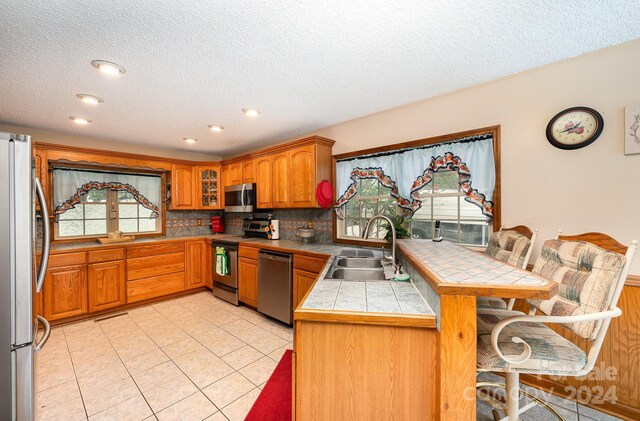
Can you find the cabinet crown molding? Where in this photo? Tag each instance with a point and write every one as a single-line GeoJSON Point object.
{"type": "Point", "coordinates": [311, 140]}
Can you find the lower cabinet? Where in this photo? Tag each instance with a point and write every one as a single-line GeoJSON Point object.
{"type": "Point", "coordinates": [305, 271]}
{"type": "Point", "coordinates": [145, 289]}
{"type": "Point", "coordinates": [248, 281]}
{"type": "Point", "coordinates": [106, 283]}
{"type": "Point", "coordinates": [196, 265]}
{"type": "Point", "coordinates": [65, 292]}
{"type": "Point", "coordinates": [302, 281]}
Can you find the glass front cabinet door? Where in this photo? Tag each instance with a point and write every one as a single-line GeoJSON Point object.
{"type": "Point", "coordinates": [208, 192]}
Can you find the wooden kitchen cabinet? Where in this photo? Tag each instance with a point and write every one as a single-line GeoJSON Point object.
{"type": "Point", "coordinates": [281, 180]}
{"type": "Point", "coordinates": [183, 187]}
{"type": "Point", "coordinates": [263, 182]}
{"type": "Point", "coordinates": [208, 189]}
{"type": "Point", "coordinates": [303, 177]}
{"type": "Point", "coordinates": [106, 285]}
{"type": "Point", "coordinates": [248, 281]}
{"type": "Point", "coordinates": [286, 175]}
{"type": "Point", "coordinates": [302, 281]}
{"type": "Point", "coordinates": [196, 264]}
{"type": "Point", "coordinates": [248, 171]}
{"type": "Point", "coordinates": [234, 174]}
{"type": "Point", "coordinates": [40, 161]}
{"type": "Point", "coordinates": [305, 271]}
{"type": "Point", "coordinates": [65, 292]}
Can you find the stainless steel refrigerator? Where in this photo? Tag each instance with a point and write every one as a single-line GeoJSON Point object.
{"type": "Point", "coordinates": [19, 278]}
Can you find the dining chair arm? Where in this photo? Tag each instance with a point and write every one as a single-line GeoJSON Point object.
{"type": "Point", "coordinates": [526, 354]}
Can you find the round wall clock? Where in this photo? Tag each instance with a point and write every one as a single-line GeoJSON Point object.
{"type": "Point", "coordinates": [575, 128]}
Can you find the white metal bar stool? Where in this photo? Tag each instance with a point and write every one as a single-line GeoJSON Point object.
{"type": "Point", "coordinates": [591, 270]}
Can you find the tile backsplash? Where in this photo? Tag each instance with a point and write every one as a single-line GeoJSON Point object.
{"type": "Point", "coordinates": [290, 220]}
{"type": "Point", "coordinates": [179, 223]}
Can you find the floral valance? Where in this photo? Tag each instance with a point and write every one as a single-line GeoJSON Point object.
{"type": "Point", "coordinates": [69, 185]}
{"type": "Point", "coordinates": [407, 171]}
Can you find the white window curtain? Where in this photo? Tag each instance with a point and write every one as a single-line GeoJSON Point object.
{"type": "Point", "coordinates": [408, 170]}
{"type": "Point", "coordinates": [70, 184]}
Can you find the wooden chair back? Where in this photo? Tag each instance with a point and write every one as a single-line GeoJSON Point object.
{"type": "Point", "coordinates": [520, 229]}
{"type": "Point", "coordinates": [598, 239]}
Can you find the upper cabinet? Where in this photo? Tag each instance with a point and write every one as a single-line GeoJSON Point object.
{"type": "Point", "coordinates": [195, 187]}
{"type": "Point", "coordinates": [208, 192]}
{"type": "Point", "coordinates": [280, 163]}
{"type": "Point", "coordinates": [286, 175]}
{"type": "Point", "coordinates": [248, 171]}
{"type": "Point", "coordinates": [183, 187]}
{"type": "Point", "coordinates": [303, 177]}
{"type": "Point", "coordinates": [264, 198]}
{"type": "Point", "coordinates": [234, 174]}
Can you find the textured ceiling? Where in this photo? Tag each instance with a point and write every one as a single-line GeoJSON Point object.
{"type": "Point", "coordinates": [304, 64]}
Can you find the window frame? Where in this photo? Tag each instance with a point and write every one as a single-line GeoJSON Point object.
{"type": "Point", "coordinates": [494, 131]}
{"type": "Point", "coordinates": [459, 219]}
{"type": "Point", "coordinates": [162, 208]}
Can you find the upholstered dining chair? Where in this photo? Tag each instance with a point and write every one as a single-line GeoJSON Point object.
{"type": "Point", "coordinates": [591, 270]}
{"type": "Point", "coordinates": [512, 246]}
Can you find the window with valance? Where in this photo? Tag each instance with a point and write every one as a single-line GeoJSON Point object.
{"type": "Point", "coordinates": [451, 181]}
{"type": "Point", "coordinates": [92, 203]}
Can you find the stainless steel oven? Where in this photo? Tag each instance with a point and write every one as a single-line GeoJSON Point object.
{"type": "Point", "coordinates": [226, 286]}
{"type": "Point", "coordinates": [240, 198]}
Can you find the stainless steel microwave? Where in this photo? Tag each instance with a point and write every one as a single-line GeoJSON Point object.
{"type": "Point", "coordinates": [240, 198]}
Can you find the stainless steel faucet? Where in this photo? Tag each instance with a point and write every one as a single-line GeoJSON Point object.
{"type": "Point", "coordinates": [365, 235]}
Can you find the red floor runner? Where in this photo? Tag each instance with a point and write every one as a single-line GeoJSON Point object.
{"type": "Point", "coordinates": [274, 402]}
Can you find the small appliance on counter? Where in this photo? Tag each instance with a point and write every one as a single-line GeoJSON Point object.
{"type": "Point", "coordinates": [307, 234]}
{"type": "Point", "coordinates": [258, 228]}
{"type": "Point", "coordinates": [217, 224]}
{"type": "Point", "coordinates": [274, 229]}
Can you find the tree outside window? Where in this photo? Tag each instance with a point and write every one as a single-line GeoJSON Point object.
{"type": "Point", "coordinates": [442, 199]}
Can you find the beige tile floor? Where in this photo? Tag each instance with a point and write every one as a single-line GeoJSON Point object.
{"type": "Point", "coordinates": [190, 358]}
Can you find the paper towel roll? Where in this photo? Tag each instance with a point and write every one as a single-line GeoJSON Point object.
{"type": "Point", "coordinates": [275, 232]}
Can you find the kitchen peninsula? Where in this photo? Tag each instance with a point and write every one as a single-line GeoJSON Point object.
{"type": "Point", "coordinates": [412, 366]}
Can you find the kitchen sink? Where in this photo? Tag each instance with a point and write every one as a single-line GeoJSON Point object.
{"type": "Point", "coordinates": [359, 262]}
{"type": "Point", "coordinates": [358, 274]}
{"type": "Point", "coordinates": [356, 253]}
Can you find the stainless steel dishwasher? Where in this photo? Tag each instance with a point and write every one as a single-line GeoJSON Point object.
{"type": "Point", "coordinates": [275, 285]}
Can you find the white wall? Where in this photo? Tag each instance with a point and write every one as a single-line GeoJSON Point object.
{"type": "Point", "coordinates": [106, 144]}
{"type": "Point", "coordinates": [591, 189]}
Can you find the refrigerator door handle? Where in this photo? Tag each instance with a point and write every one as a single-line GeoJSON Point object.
{"type": "Point", "coordinates": [47, 333]}
{"type": "Point", "coordinates": [46, 237]}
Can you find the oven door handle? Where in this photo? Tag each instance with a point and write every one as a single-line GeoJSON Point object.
{"type": "Point", "coordinates": [242, 197]}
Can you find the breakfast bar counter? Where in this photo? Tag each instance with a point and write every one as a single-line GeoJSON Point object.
{"type": "Point", "coordinates": [413, 370]}
{"type": "Point", "coordinates": [451, 269]}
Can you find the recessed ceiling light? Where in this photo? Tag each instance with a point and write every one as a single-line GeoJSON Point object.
{"type": "Point", "coordinates": [251, 112]}
{"type": "Point", "coordinates": [90, 99]}
{"type": "Point", "coordinates": [216, 128]}
{"type": "Point", "coordinates": [109, 68]}
{"type": "Point", "coordinates": [80, 120]}
{"type": "Point", "coordinates": [190, 139]}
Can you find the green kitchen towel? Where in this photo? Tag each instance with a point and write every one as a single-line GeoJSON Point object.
{"type": "Point", "coordinates": [222, 261]}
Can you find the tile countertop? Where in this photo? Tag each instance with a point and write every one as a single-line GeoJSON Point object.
{"type": "Point", "coordinates": [452, 269]}
{"type": "Point", "coordinates": [386, 298]}
{"type": "Point", "coordinates": [399, 298]}
{"type": "Point", "coordinates": [295, 246]}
